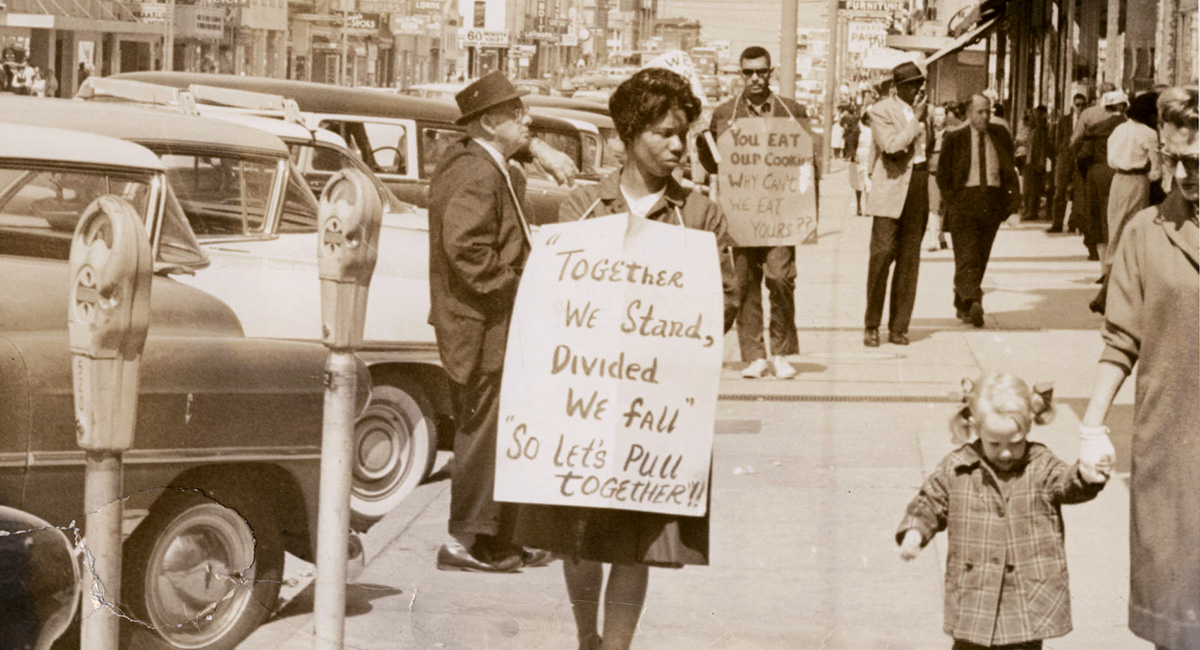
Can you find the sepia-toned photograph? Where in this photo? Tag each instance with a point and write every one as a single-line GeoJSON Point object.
{"type": "Point", "coordinates": [560, 324]}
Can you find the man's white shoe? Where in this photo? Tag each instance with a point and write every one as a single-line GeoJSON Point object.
{"type": "Point", "coordinates": [756, 369]}
{"type": "Point", "coordinates": [781, 368]}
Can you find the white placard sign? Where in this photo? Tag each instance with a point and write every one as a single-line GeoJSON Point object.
{"type": "Point", "coordinates": [767, 181]}
{"type": "Point", "coordinates": [613, 363]}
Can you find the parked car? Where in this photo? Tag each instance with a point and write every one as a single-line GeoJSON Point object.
{"type": "Point", "coordinates": [400, 138]}
{"type": "Point", "coordinates": [256, 217]}
{"type": "Point", "coordinates": [223, 475]}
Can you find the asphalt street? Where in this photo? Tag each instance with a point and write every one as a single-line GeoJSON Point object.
{"type": "Point", "coordinates": [811, 476]}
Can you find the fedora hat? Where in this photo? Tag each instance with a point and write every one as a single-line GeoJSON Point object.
{"type": "Point", "coordinates": [907, 72]}
{"type": "Point", "coordinates": [486, 92]}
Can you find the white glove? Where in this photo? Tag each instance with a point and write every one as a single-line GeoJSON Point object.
{"type": "Point", "coordinates": [1096, 452]}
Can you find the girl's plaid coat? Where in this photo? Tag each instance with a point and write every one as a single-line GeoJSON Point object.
{"type": "Point", "coordinates": [1006, 568]}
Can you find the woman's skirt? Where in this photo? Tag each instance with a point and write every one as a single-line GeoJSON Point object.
{"type": "Point", "coordinates": [1128, 195]}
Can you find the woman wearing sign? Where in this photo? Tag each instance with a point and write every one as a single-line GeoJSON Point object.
{"type": "Point", "coordinates": [651, 111]}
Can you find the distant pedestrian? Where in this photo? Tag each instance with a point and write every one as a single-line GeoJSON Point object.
{"type": "Point", "coordinates": [864, 157]}
{"type": "Point", "coordinates": [1036, 155]}
{"type": "Point", "coordinates": [1093, 148]}
{"type": "Point", "coordinates": [51, 83]}
{"type": "Point", "coordinates": [977, 176]}
{"type": "Point", "coordinates": [652, 111]}
{"type": "Point", "coordinates": [852, 131]}
{"type": "Point", "coordinates": [85, 71]}
{"type": "Point", "coordinates": [772, 266]}
{"type": "Point", "coordinates": [999, 499]}
{"type": "Point", "coordinates": [1133, 157]}
{"type": "Point", "coordinates": [1150, 324]}
{"type": "Point", "coordinates": [898, 203]}
{"type": "Point", "coordinates": [1068, 182]}
{"type": "Point", "coordinates": [1081, 151]}
{"type": "Point", "coordinates": [935, 235]}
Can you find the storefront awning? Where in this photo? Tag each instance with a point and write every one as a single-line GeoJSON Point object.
{"type": "Point", "coordinates": [975, 33]}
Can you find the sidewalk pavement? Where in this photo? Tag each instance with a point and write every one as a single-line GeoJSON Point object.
{"type": "Point", "coordinates": [811, 476]}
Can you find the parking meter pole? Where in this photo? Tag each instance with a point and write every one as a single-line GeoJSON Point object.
{"type": "Point", "coordinates": [337, 464]}
{"type": "Point", "coordinates": [102, 565]}
{"type": "Point", "coordinates": [107, 318]}
{"type": "Point", "coordinates": [347, 247]}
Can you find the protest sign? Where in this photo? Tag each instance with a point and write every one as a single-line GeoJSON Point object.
{"type": "Point", "coordinates": [767, 188]}
{"type": "Point", "coordinates": [611, 373]}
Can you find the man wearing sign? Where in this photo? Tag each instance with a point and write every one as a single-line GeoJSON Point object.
{"type": "Point", "coordinates": [899, 203]}
{"type": "Point", "coordinates": [774, 265]}
{"type": "Point", "coordinates": [478, 242]}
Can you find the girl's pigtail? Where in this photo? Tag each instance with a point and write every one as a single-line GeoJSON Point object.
{"type": "Point", "coordinates": [960, 422]}
{"type": "Point", "coordinates": [1042, 402]}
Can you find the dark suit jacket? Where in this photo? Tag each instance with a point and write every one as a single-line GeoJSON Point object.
{"type": "Point", "coordinates": [955, 164]}
{"type": "Point", "coordinates": [477, 250]}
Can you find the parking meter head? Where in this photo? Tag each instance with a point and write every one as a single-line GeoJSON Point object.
{"type": "Point", "coordinates": [39, 581]}
{"type": "Point", "coordinates": [107, 318]}
{"type": "Point", "coordinates": [349, 217]}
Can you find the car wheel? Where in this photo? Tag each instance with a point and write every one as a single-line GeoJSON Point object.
{"type": "Point", "coordinates": [394, 450]}
{"type": "Point", "coordinates": [199, 575]}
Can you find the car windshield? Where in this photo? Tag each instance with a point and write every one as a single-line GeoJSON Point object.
{"type": "Point", "coordinates": [39, 207]}
{"type": "Point", "coordinates": [223, 194]}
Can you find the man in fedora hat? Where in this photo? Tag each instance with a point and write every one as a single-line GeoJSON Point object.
{"type": "Point", "coordinates": [479, 239]}
{"type": "Point", "coordinates": [899, 203]}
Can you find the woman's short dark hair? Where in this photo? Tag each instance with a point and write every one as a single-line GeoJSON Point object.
{"type": "Point", "coordinates": [1177, 107]}
{"type": "Point", "coordinates": [1144, 109]}
{"type": "Point", "coordinates": [643, 99]}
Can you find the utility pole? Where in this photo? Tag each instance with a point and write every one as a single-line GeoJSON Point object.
{"type": "Point", "coordinates": [787, 49]}
{"type": "Point", "coordinates": [345, 67]}
{"type": "Point", "coordinates": [169, 40]}
{"type": "Point", "coordinates": [831, 82]}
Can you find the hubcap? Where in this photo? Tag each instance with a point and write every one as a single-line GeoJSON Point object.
{"type": "Point", "coordinates": [200, 576]}
{"type": "Point", "coordinates": [384, 437]}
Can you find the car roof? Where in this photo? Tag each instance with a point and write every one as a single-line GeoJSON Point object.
{"type": "Point", "coordinates": [551, 101]}
{"type": "Point", "coordinates": [145, 126]}
{"type": "Point", "coordinates": [323, 98]}
{"type": "Point", "coordinates": [61, 145]}
{"type": "Point", "coordinates": [598, 120]}
{"type": "Point", "coordinates": [282, 129]}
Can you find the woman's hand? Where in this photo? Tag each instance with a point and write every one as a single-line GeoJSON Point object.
{"type": "Point", "coordinates": [1096, 453]}
{"type": "Point", "coordinates": [911, 546]}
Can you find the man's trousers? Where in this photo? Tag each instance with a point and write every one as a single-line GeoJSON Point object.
{"type": "Point", "coordinates": [899, 241]}
{"type": "Point", "coordinates": [473, 510]}
{"type": "Point", "coordinates": [978, 214]}
{"type": "Point", "coordinates": [776, 267]}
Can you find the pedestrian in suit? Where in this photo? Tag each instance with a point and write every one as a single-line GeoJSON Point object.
{"type": "Point", "coordinates": [1068, 182]}
{"type": "Point", "coordinates": [898, 203]}
{"type": "Point", "coordinates": [479, 240]}
{"type": "Point", "coordinates": [774, 266]}
{"type": "Point", "coordinates": [978, 177]}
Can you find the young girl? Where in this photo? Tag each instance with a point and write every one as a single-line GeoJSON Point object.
{"type": "Point", "coordinates": [999, 498]}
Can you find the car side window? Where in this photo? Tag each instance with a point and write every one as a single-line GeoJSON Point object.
{"type": "Point", "coordinates": [434, 142]}
{"type": "Point", "coordinates": [299, 208]}
{"type": "Point", "coordinates": [389, 147]}
{"type": "Point", "coordinates": [221, 195]}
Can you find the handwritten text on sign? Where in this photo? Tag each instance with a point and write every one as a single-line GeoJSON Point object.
{"type": "Point", "coordinates": [614, 357]}
{"type": "Point", "coordinates": [766, 181]}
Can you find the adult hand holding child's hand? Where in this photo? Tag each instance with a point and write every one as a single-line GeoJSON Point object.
{"type": "Point", "coordinates": [1096, 453]}
{"type": "Point", "coordinates": [911, 546]}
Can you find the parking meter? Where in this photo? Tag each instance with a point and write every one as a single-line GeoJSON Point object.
{"type": "Point", "coordinates": [348, 238]}
{"type": "Point", "coordinates": [108, 315]}
{"type": "Point", "coordinates": [39, 581]}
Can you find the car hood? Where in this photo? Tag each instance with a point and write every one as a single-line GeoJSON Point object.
{"type": "Point", "coordinates": [36, 293]}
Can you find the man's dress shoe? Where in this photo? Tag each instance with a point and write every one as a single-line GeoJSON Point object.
{"type": "Point", "coordinates": [897, 338]}
{"type": "Point", "coordinates": [871, 337]}
{"type": "Point", "coordinates": [460, 559]}
{"type": "Point", "coordinates": [535, 557]}
{"type": "Point", "coordinates": [975, 314]}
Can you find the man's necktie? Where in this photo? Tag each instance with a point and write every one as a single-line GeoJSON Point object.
{"type": "Point", "coordinates": [983, 181]}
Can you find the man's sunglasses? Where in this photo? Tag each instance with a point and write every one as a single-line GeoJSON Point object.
{"type": "Point", "coordinates": [1171, 161]}
{"type": "Point", "coordinates": [761, 72]}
